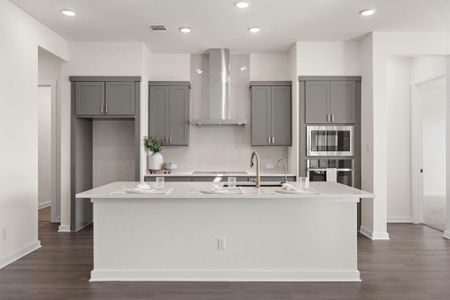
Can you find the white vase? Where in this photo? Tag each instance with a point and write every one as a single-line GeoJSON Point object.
{"type": "Point", "coordinates": [154, 160]}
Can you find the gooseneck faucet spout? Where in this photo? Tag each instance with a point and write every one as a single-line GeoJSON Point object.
{"type": "Point", "coordinates": [282, 160]}
{"type": "Point", "coordinates": [257, 178]}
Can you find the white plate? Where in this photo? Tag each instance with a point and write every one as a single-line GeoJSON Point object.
{"type": "Point", "coordinates": [149, 191]}
{"type": "Point", "coordinates": [305, 191]}
{"type": "Point", "coordinates": [223, 191]}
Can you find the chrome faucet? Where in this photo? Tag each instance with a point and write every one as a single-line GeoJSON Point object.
{"type": "Point", "coordinates": [285, 168]}
{"type": "Point", "coordinates": [257, 178]}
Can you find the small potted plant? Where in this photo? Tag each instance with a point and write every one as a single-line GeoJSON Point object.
{"type": "Point", "coordinates": [154, 157]}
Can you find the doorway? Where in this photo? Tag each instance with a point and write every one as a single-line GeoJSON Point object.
{"type": "Point", "coordinates": [429, 139]}
{"type": "Point", "coordinates": [47, 149]}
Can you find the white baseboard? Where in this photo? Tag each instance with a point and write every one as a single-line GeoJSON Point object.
{"type": "Point", "coordinates": [446, 234]}
{"type": "Point", "coordinates": [373, 235]}
{"type": "Point", "coordinates": [44, 204]}
{"type": "Point", "coordinates": [403, 219]}
{"type": "Point", "coordinates": [64, 228]}
{"type": "Point", "coordinates": [19, 254]}
{"type": "Point", "coordinates": [228, 275]}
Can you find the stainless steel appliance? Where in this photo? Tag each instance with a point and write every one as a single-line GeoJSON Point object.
{"type": "Point", "coordinates": [329, 140]}
{"type": "Point", "coordinates": [345, 173]}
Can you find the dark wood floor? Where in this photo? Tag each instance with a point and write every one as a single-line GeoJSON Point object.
{"type": "Point", "coordinates": [414, 264]}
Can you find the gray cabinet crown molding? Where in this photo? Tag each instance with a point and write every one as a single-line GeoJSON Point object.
{"type": "Point", "coordinates": [272, 83]}
{"type": "Point", "coordinates": [329, 78]}
{"type": "Point", "coordinates": [105, 78]}
{"type": "Point", "coordinates": [172, 83]}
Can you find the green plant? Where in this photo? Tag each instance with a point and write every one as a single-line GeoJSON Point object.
{"type": "Point", "coordinates": [152, 144]}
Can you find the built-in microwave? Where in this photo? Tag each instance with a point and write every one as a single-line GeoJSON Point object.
{"type": "Point", "coordinates": [329, 140]}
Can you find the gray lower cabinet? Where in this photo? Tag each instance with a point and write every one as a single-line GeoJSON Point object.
{"type": "Point", "coordinates": [330, 101]}
{"type": "Point", "coordinates": [271, 114]}
{"type": "Point", "coordinates": [96, 99]}
{"type": "Point", "coordinates": [169, 113]}
{"type": "Point", "coordinates": [90, 98]}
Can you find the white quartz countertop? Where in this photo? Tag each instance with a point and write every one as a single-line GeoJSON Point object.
{"type": "Point", "coordinates": [192, 190]}
{"type": "Point", "coordinates": [191, 174]}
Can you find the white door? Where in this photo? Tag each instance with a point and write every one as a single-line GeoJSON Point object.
{"type": "Point", "coordinates": [432, 96]}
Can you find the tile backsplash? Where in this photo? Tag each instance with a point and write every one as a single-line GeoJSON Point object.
{"type": "Point", "coordinates": [222, 147]}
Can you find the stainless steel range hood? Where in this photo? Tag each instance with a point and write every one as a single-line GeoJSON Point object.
{"type": "Point", "coordinates": [219, 91]}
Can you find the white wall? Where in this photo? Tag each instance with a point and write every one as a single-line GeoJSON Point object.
{"type": "Point", "coordinates": [294, 152]}
{"type": "Point", "coordinates": [269, 66]}
{"type": "Point", "coordinates": [385, 46]}
{"type": "Point", "coordinates": [329, 58]}
{"type": "Point", "coordinates": [433, 99]}
{"type": "Point", "coordinates": [169, 67]}
{"type": "Point", "coordinates": [399, 139]}
{"type": "Point", "coordinates": [20, 35]}
{"type": "Point", "coordinates": [44, 145]}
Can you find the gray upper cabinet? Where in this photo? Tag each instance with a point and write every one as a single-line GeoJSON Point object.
{"type": "Point", "coordinates": [330, 101]}
{"type": "Point", "coordinates": [158, 95]}
{"type": "Point", "coordinates": [281, 115]}
{"type": "Point", "coordinates": [271, 114]}
{"type": "Point", "coordinates": [90, 98]}
{"type": "Point", "coordinates": [317, 100]}
{"type": "Point", "coordinates": [169, 112]}
{"type": "Point", "coordinates": [105, 98]}
{"type": "Point", "coordinates": [343, 101]}
{"type": "Point", "coordinates": [261, 117]}
{"type": "Point", "coordinates": [120, 99]}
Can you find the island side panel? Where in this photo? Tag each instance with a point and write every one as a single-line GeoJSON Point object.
{"type": "Point", "coordinates": [265, 240]}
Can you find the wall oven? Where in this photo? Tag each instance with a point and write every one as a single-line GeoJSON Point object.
{"type": "Point", "coordinates": [329, 140]}
{"type": "Point", "coordinates": [342, 169]}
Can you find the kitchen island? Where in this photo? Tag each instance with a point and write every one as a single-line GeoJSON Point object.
{"type": "Point", "coordinates": [254, 235]}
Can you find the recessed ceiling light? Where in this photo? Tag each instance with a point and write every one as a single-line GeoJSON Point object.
{"type": "Point", "coordinates": [241, 4]}
{"type": "Point", "coordinates": [185, 29]}
{"type": "Point", "coordinates": [254, 29]}
{"type": "Point", "coordinates": [68, 12]}
{"type": "Point", "coordinates": [199, 71]}
{"type": "Point", "coordinates": [243, 68]}
{"type": "Point", "coordinates": [367, 12]}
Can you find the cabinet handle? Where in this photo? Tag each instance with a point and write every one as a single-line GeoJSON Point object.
{"type": "Point", "coordinates": [332, 118]}
{"type": "Point", "coordinates": [101, 108]}
{"type": "Point", "coordinates": [107, 108]}
{"type": "Point", "coordinates": [328, 118]}
{"type": "Point", "coordinates": [273, 140]}
{"type": "Point", "coordinates": [170, 140]}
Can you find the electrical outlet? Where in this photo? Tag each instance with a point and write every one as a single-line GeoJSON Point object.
{"type": "Point", "coordinates": [221, 243]}
{"type": "Point", "coordinates": [4, 234]}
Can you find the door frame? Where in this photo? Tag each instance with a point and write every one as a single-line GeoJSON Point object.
{"type": "Point", "coordinates": [417, 151]}
{"type": "Point", "coordinates": [53, 85]}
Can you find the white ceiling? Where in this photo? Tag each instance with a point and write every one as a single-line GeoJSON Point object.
{"type": "Point", "coordinates": [217, 23]}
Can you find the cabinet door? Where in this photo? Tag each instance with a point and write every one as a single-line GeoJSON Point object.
{"type": "Point", "coordinates": [120, 99]}
{"type": "Point", "coordinates": [281, 115]}
{"type": "Point", "coordinates": [178, 116]}
{"type": "Point", "coordinates": [343, 101]}
{"type": "Point", "coordinates": [90, 98]}
{"type": "Point", "coordinates": [158, 97]}
{"type": "Point", "coordinates": [317, 99]}
{"type": "Point", "coordinates": [261, 115]}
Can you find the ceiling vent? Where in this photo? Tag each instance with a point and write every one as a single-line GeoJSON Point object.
{"type": "Point", "coordinates": [158, 28]}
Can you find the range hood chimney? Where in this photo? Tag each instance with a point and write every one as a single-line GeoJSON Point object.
{"type": "Point", "coordinates": [219, 91]}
